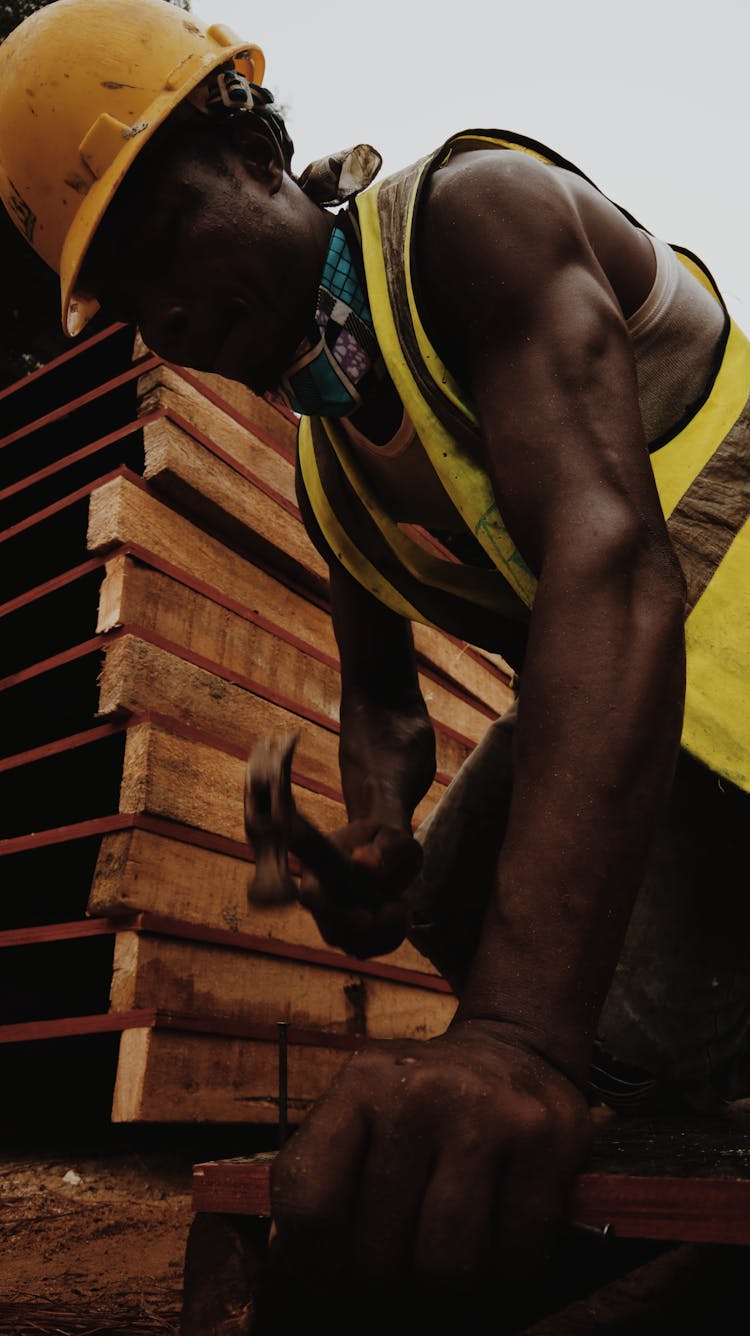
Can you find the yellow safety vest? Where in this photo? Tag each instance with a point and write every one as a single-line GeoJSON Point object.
{"type": "Point", "coordinates": [701, 473]}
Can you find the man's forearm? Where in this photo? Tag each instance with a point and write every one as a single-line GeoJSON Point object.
{"type": "Point", "coordinates": [387, 756]}
{"type": "Point", "coordinates": [598, 732]}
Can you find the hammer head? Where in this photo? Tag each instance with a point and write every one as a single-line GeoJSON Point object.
{"type": "Point", "coordinates": [269, 816]}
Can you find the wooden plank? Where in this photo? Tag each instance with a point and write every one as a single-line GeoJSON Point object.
{"type": "Point", "coordinates": [656, 1206]}
{"type": "Point", "coordinates": [169, 1076]}
{"type": "Point", "coordinates": [121, 513]}
{"type": "Point", "coordinates": [140, 676]}
{"type": "Point", "coordinates": [252, 517]}
{"type": "Point", "coordinates": [198, 784]}
{"type": "Point", "coordinates": [686, 1210]}
{"type": "Point", "coordinates": [161, 873]}
{"type": "Point", "coordinates": [484, 676]}
{"type": "Point", "coordinates": [164, 389]}
{"type": "Point", "coordinates": [159, 926]}
{"type": "Point", "coordinates": [263, 415]}
{"type": "Point", "coordinates": [489, 673]}
{"type": "Point", "coordinates": [200, 978]}
{"type": "Point", "coordinates": [136, 594]}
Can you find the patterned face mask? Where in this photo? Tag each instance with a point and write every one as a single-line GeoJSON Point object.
{"type": "Point", "coordinates": [339, 361]}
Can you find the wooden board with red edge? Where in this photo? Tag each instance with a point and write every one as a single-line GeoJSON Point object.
{"type": "Point", "coordinates": [686, 1181]}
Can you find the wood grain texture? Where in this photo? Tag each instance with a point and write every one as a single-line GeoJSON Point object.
{"type": "Point", "coordinates": [166, 388]}
{"type": "Point", "coordinates": [274, 421]}
{"type": "Point", "coordinates": [141, 871]}
{"type": "Point", "coordinates": [232, 504]}
{"type": "Point", "coordinates": [139, 676]}
{"type": "Point", "coordinates": [171, 1076]}
{"type": "Point", "coordinates": [135, 594]}
{"type": "Point", "coordinates": [120, 513]}
{"type": "Point", "coordinates": [201, 979]}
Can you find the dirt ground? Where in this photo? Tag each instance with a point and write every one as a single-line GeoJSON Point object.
{"type": "Point", "coordinates": [92, 1243]}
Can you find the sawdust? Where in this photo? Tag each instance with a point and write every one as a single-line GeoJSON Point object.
{"type": "Point", "coordinates": [100, 1252]}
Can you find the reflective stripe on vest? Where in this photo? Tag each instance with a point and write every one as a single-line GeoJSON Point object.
{"type": "Point", "coordinates": [701, 474]}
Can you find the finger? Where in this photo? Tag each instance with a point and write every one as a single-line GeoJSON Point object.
{"type": "Point", "coordinates": [314, 1183]}
{"type": "Point", "coordinates": [393, 1181]}
{"type": "Point", "coordinates": [401, 859]}
{"type": "Point", "coordinates": [453, 1243]}
{"type": "Point", "coordinates": [527, 1218]}
{"type": "Point", "coordinates": [360, 932]}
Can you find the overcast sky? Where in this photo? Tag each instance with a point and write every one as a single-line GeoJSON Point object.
{"type": "Point", "coordinates": [648, 97]}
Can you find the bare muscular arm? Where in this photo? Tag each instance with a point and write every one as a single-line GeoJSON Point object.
{"type": "Point", "coordinates": [387, 758]}
{"type": "Point", "coordinates": [450, 1160]}
{"type": "Point", "coordinates": [548, 357]}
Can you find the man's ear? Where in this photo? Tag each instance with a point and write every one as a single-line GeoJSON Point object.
{"type": "Point", "coordinates": [259, 152]}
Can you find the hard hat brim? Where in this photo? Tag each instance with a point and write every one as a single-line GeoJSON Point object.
{"type": "Point", "coordinates": [78, 307]}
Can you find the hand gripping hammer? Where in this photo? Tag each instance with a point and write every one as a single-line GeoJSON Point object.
{"type": "Point", "coordinates": [275, 828]}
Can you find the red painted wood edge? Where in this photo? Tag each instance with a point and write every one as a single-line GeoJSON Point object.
{"type": "Point", "coordinates": [228, 675]}
{"type": "Point", "coordinates": [66, 932]}
{"type": "Point", "coordinates": [686, 1210]}
{"type": "Point", "coordinates": [232, 412]}
{"type": "Point", "coordinates": [65, 410]}
{"type": "Point", "coordinates": [169, 725]}
{"type": "Point", "coordinates": [223, 1027]}
{"type": "Point", "coordinates": [260, 689]}
{"type": "Point", "coordinates": [105, 825]}
{"type": "Point", "coordinates": [304, 591]}
{"type": "Point", "coordinates": [62, 744]}
{"type": "Point", "coordinates": [690, 1210]}
{"type": "Point", "coordinates": [297, 708]}
{"type": "Point", "coordinates": [264, 436]}
{"type": "Point", "coordinates": [69, 1026]}
{"type": "Point", "coordinates": [224, 600]}
{"type": "Point", "coordinates": [162, 926]}
{"type": "Point", "coordinates": [70, 500]}
{"type": "Point", "coordinates": [65, 460]}
{"type": "Point", "coordinates": [70, 743]}
{"type": "Point", "coordinates": [69, 353]}
{"type": "Point", "coordinates": [58, 660]}
{"type": "Point", "coordinates": [50, 586]}
{"type": "Point", "coordinates": [209, 444]}
{"type": "Point", "coordinates": [272, 946]}
{"type": "Point", "coordinates": [149, 558]}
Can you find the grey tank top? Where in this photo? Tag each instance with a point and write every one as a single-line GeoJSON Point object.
{"type": "Point", "coordinates": [674, 337]}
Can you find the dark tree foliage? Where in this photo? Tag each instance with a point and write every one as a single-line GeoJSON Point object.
{"type": "Point", "coordinates": [30, 327]}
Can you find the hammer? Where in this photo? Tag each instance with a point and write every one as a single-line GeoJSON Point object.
{"type": "Point", "coordinates": [275, 828]}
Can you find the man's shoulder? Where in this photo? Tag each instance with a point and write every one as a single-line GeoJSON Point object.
{"type": "Point", "coordinates": [492, 224]}
{"type": "Point", "coordinates": [499, 192]}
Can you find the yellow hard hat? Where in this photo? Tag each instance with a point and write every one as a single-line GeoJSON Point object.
{"type": "Point", "coordinates": [83, 86]}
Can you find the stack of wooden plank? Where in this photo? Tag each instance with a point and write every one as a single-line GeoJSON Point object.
{"type": "Point", "coordinates": [162, 608]}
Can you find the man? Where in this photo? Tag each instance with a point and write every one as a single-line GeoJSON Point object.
{"type": "Point", "coordinates": [489, 348]}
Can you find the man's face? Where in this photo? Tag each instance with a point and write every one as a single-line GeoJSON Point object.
{"type": "Point", "coordinates": [216, 262]}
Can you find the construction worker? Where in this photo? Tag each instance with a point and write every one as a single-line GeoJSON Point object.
{"type": "Point", "coordinates": [485, 346]}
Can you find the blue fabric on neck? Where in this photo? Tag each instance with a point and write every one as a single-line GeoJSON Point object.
{"type": "Point", "coordinates": [337, 361]}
